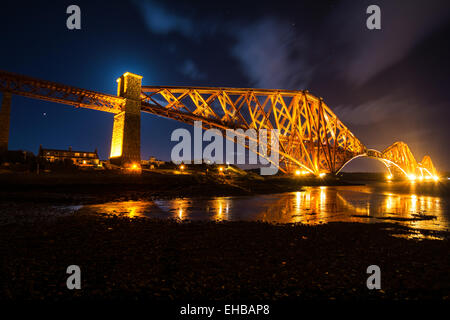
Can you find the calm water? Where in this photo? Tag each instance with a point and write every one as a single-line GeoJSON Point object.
{"type": "Point", "coordinates": [422, 206]}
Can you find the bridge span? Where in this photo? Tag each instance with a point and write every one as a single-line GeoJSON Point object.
{"type": "Point", "coordinates": [312, 139]}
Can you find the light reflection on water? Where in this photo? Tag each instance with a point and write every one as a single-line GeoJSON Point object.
{"type": "Point", "coordinates": [313, 205]}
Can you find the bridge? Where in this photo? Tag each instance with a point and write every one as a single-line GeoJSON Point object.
{"type": "Point", "coordinates": [312, 139]}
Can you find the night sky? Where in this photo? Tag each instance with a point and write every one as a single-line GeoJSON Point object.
{"type": "Point", "coordinates": [385, 85]}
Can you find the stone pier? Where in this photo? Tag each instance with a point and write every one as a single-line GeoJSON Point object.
{"type": "Point", "coordinates": [5, 112]}
{"type": "Point", "coordinates": [126, 136]}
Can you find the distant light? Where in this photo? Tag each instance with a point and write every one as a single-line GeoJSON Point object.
{"type": "Point", "coordinates": [389, 177]}
{"type": "Point", "coordinates": [321, 175]}
{"type": "Point", "coordinates": [435, 178]}
{"type": "Point", "coordinates": [220, 169]}
{"type": "Point", "coordinates": [134, 167]}
{"type": "Point", "coordinates": [412, 177]}
{"type": "Point", "coordinates": [182, 167]}
{"type": "Point", "coordinates": [297, 172]}
{"type": "Point", "coordinates": [420, 178]}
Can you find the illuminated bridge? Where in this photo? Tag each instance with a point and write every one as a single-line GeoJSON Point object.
{"type": "Point", "coordinates": [312, 138]}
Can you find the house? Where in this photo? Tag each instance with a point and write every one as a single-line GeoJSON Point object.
{"type": "Point", "coordinates": [79, 158]}
{"type": "Point", "coordinates": [156, 162]}
{"type": "Point", "coordinates": [152, 163]}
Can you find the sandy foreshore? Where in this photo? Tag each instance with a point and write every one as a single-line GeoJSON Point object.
{"type": "Point", "coordinates": [122, 258]}
{"type": "Point", "coordinates": [148, 259]}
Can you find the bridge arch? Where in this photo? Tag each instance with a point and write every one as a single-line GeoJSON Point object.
{"type": "Point", "coordinates": [387, 163]}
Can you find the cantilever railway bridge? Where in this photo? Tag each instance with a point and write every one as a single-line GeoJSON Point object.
{"type": "Point", "coordinates": [311, 136]}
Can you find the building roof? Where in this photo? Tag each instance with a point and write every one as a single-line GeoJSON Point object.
{"type": "Point", "coordinates": [42, 150]}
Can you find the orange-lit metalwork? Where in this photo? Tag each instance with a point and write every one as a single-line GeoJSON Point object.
{"type": "Point", "coordinates": [399, 159]}
{"type": "Point", "coordinates": [55, 92]}
{"type": "Point", "coordinates": [427, 166]}
{"type": "Point", "coordinates": [310, 134]}
{"type": "Point", "coordinates": [312, 138]}
{"type": "Point", "coordinates": [400, 154]}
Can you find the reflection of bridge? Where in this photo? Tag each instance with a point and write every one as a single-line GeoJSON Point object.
{"type": "Point", "coordinates": [311, 135]}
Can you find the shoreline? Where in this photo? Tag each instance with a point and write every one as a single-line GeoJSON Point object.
{"type": "Point", "coordinates": [88, 188]}
{"type": "Point", "coordinates": [148, 259]}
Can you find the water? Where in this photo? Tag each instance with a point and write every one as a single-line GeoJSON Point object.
{"type": "Point", "coordinates": [420, 206]}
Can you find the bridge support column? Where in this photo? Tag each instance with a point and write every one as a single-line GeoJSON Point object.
{"type": "Point", "coordinates": [5, 112]}
{"type": "Point", "coordinates": [126, 136]}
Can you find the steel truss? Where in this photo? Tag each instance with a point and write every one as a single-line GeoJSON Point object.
{"type": "Point", "coordinates": [311, 136]}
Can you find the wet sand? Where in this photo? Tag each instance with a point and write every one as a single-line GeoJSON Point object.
{"type": "Point", "coordinates": [151, 259]}
{"type": "Point", "coordinates": [140, 258]}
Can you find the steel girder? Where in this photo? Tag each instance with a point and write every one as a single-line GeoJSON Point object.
{"type": "Point", "coordinates": [428, 166]}
{"type": "Point", "coordinates": [310, 134]}
{"type": "Point", "coordinates": [401, 156]}
{"type": "Point", "coordinates": [55, 92]}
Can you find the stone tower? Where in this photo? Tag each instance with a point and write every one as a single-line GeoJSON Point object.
{"type": "Point", "coordinates": [4, 121]}
{"type": "Point", "coordinates": [126, 136]}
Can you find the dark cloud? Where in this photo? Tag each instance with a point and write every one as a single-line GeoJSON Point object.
{"type": "Point", "coordinates": [161, 20]}
{"type": "Point", "coordinates": [373, 111]}
{"type": "Point", "coordinates": [368, 52]}
{"type": "Point", "coordinates": [268, 50]}
{"type": "Point", "coordinates": [272, 55]}
{"type": "Point", "coordinates": [190, 69]}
